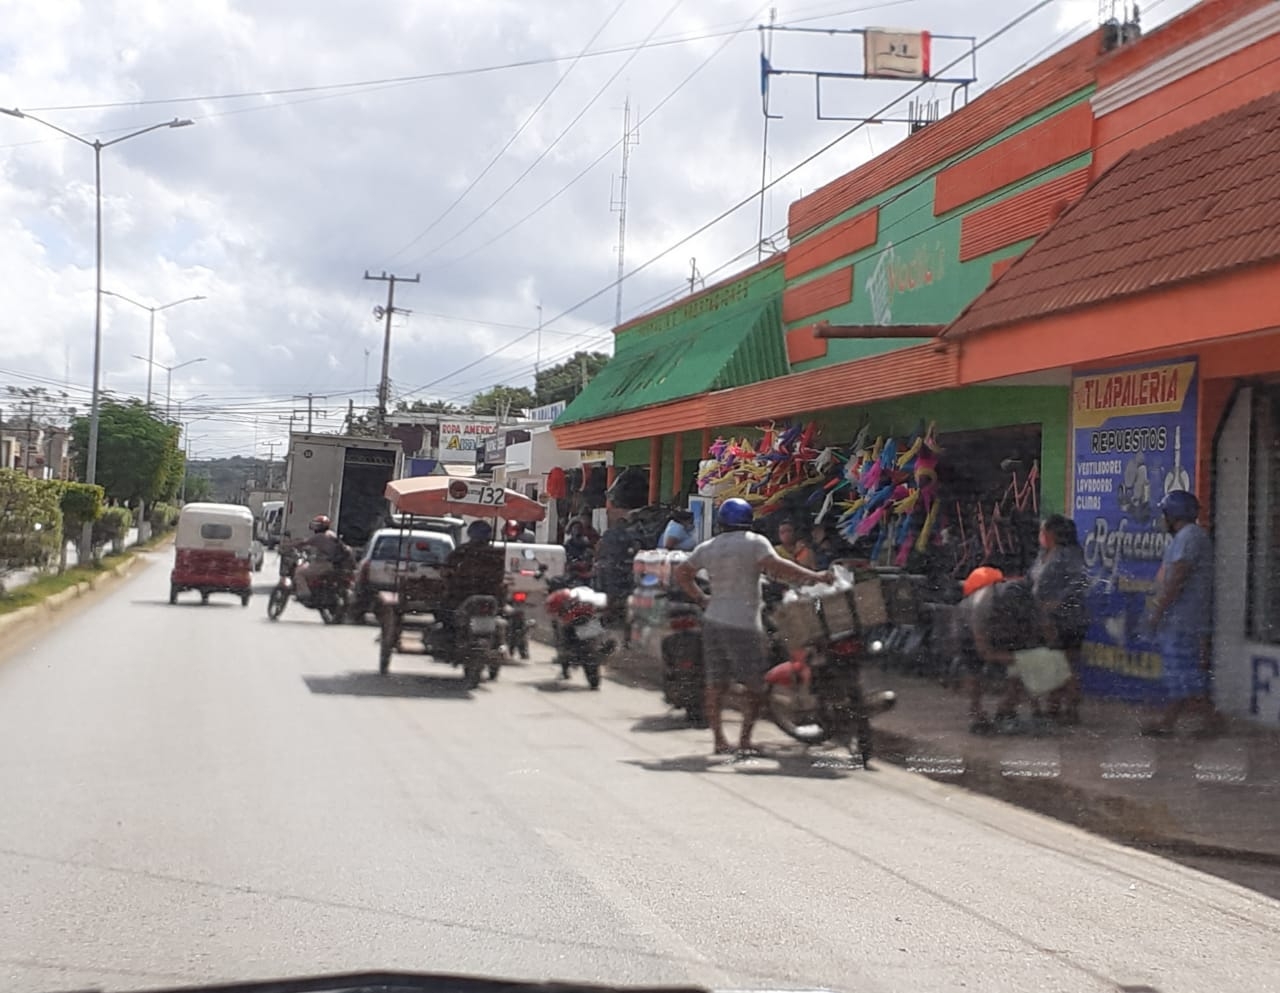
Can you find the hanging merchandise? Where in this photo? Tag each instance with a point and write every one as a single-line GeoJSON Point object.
{"type": "Point", "coordinates": [557, 485]}
{"type": "Point", "coordinates": [883, 496]}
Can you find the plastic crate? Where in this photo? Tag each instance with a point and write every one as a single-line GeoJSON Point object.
{"type": "Point", "coordinates": [868, 596]}
{"type": "Point", "coordinates": [798, 622]}
{"type": "Point", "coordinates": [839, 614]}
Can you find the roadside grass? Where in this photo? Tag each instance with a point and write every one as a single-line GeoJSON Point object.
{"type": "Point", "coordinates": [44, 587]}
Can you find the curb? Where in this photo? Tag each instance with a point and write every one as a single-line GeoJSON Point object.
{"type": "Point", "coordinates": [55, 602]}
{"type": "Point", "coordinates": [1138, 823]}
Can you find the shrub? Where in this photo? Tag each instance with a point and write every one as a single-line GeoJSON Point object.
{"type": "Point", "coordinates": [30, 521]}
{"type": "Point", "coordinates": [163, 517]}
{"type": "Point", "coordinates": [113, 526]}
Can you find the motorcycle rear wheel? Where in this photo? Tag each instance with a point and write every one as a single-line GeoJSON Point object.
{"type": "Point", "coordinates": [798, 713]}
{"type": "Point", "coordinates": [276, 604]}
{"type": "Point", "coordinates": [592, 671]}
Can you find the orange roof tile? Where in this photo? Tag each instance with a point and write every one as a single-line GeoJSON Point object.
{"type": "Point", "coordinates": [1199, 202]}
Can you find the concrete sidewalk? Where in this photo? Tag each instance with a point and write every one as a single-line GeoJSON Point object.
{"type": "Point", "coordinates": [1218, 797]}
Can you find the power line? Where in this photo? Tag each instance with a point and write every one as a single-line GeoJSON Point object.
{"type": "Point", "coordinates": [510, 141]}
{"type": "Point", "coordinates": [998, 33]}
{"type": "Point", "coordinates": [384, 82]}
{"type": "Point", "coordinates": [555, 141]}
{"type": "Point", "coordinates": [592, 165]}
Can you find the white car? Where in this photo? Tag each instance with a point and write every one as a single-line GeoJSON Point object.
{"type": "Point", "coordinates": [420, 553]}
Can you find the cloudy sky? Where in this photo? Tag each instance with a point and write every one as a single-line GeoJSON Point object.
{"type": "Point", "coordinates": [476, 142]}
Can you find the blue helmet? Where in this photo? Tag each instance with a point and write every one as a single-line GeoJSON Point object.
{"type": "Point", "coordinates": [1179, 505]}
{"type": "Point", "coordinates": [479, 531]}
{"type": "Point", "coordinates": [735, 513]}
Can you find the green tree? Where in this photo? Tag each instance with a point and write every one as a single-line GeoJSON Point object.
{"type": "Point", "coordinates": [199, 488]}
{"type": "Point", "coordinates": [503, 400]}
{"type": "Point", "coordinates": [139, 458]}
{"type": "Point", "coordinates": [427, 407]}
{"type": "Point", "coordinates": [30, 521]}
{"type": "Point", "coordinates": [564, 381]}
{"type": "Point", "coordinates": [81, 504]}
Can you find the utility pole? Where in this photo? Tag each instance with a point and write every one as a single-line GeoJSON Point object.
{"type": "Point", "coordinates": [583, 365]}
{"type": "Point", "coordinates": [630, 138]}
{"type": "Point", "coordinates": [385, 313]}
{"type": "Point", "coordinates": [537, 359]}
{"type": "Point", "coordinates": [767, 59]}
{"type": "Point", "coordinates": [311, 398]}
{"type": "Point", "coordinates": [270, 446]}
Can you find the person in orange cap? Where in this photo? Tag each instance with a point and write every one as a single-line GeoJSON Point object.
{"type": "Point", "coordinates": [996, 618]}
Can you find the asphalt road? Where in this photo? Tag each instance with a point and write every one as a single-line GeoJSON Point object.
{"type": "Point", "coordinates": [193, 793]}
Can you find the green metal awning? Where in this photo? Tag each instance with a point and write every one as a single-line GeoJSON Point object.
{"type": "Point", "coordinates": [730, 346]}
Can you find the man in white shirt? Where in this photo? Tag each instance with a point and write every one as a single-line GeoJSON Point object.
{"type": "Point", "coordinates": [734, 648]}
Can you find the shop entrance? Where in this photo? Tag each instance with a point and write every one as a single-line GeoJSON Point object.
{"type": "Point", "coordinates": [990, 487]}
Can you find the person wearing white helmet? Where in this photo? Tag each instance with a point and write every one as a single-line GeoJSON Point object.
{"type": "Point", "coordinates": [734, 649]}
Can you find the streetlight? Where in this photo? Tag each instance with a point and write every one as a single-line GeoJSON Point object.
{"type": "Point", "coordinates": [168, 392]}
{"type": "Point", "coordinates": [186, 458]}
{"type": "Point", "coordinates": [151, 338]}
{"type": "Point", "coordinates": [91, 460]}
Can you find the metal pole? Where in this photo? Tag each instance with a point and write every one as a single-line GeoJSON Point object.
{"type": "Point", "coordinates": [384, 384]}
{"type": "Point", "coordinates": [91, 459]}
{"type": "Point", "coordinates": [151, 353]}
{"type": "Point", "coordinates": [168, 393]}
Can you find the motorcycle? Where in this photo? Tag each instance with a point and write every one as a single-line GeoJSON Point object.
{"type": "Point", "coordinates": [518, 624]}
{"type": "Point", "coordinates": [683, 674]}
{"type": "Point", "coordinates": [330, 595]}
{"type": "Point", "coordinates": [472, 641]}
{"type": "Point", "coordinates": [580, 637]}
{"type": "Point", "coordinates": [814, 691]}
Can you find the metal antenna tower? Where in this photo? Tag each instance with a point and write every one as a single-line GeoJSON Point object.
{"type": "Point", "coordinates": [630, 138]}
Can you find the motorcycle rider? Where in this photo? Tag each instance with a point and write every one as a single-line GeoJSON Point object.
{"type": "Point", "coordinates": [327, 554]}
{"type": "Point", "coordinates": [474, 568]}
{"type": "Point", "coordinates": [733, 639]}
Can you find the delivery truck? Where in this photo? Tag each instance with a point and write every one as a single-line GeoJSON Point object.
{"type": "Point", "coordinates": [342, 477]}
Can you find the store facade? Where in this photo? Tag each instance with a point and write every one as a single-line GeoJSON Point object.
{"type": "Point", "coordinates": [1156, 294]}
{"type": "Point", "coordinates": [845, 321]}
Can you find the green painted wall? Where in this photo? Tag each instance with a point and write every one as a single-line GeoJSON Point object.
{"type": "Point", "coordinates": [913, 274]}
{"type": "Point", "coordinates": [758, 286]}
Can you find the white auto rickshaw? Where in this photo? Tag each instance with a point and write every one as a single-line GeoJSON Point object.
{"type": "Point", "coordinates": [213, 551]}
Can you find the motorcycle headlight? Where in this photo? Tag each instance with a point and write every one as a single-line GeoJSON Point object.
{"type": "Point", "coordinates": [876, 647]}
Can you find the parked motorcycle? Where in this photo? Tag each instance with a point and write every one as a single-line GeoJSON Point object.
{"type": "Point", "coordinates": [684, 680]}
{"type": "Point", "coordinates": [473, 641]}
{"type": "Point", "coordinates": [330, 595]}
{"type": "Point", "coordinates": [814, 693]}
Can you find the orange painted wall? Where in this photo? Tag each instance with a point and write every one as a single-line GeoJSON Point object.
{"type": "Point", "coordinates": [1215, 89]}
{"type": "Point", "coordinates": [817, 295]}
{"type": "Point", "coordinates": [1045, 144]}
{"type": "Point", "coordinates": [1200, 21]}
{"type": "Point", "coordinates": [1233, 304]}
{"type": "Point", "coordinates": [836, 242]}
{"type": "Point", "coordinates": [1024, 215]}
{"type": "Point", "coordinates": [804, 346]}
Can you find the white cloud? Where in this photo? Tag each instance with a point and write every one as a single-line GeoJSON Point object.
{"type": "Point", "coordinates": [274, 207]}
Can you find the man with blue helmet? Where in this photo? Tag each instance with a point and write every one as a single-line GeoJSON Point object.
{"type": "Point", "coordinates": [1181, 615]}
{"type": "Point", "coordinates": [734, 648]}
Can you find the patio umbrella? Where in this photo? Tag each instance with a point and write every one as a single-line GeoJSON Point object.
{"type": "Point", "coordinates": [439, 496]}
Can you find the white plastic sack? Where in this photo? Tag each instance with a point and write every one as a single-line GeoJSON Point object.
{"type": "Point", "coordinates": [1042, 670]}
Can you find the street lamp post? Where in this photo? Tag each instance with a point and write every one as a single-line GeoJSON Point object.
{"type": "Point", "coordinates": [91, 459]}
{"type": "Point", "coordinates": [151, 337]}
{"type": "Point", "coordinates": [168, 392]}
